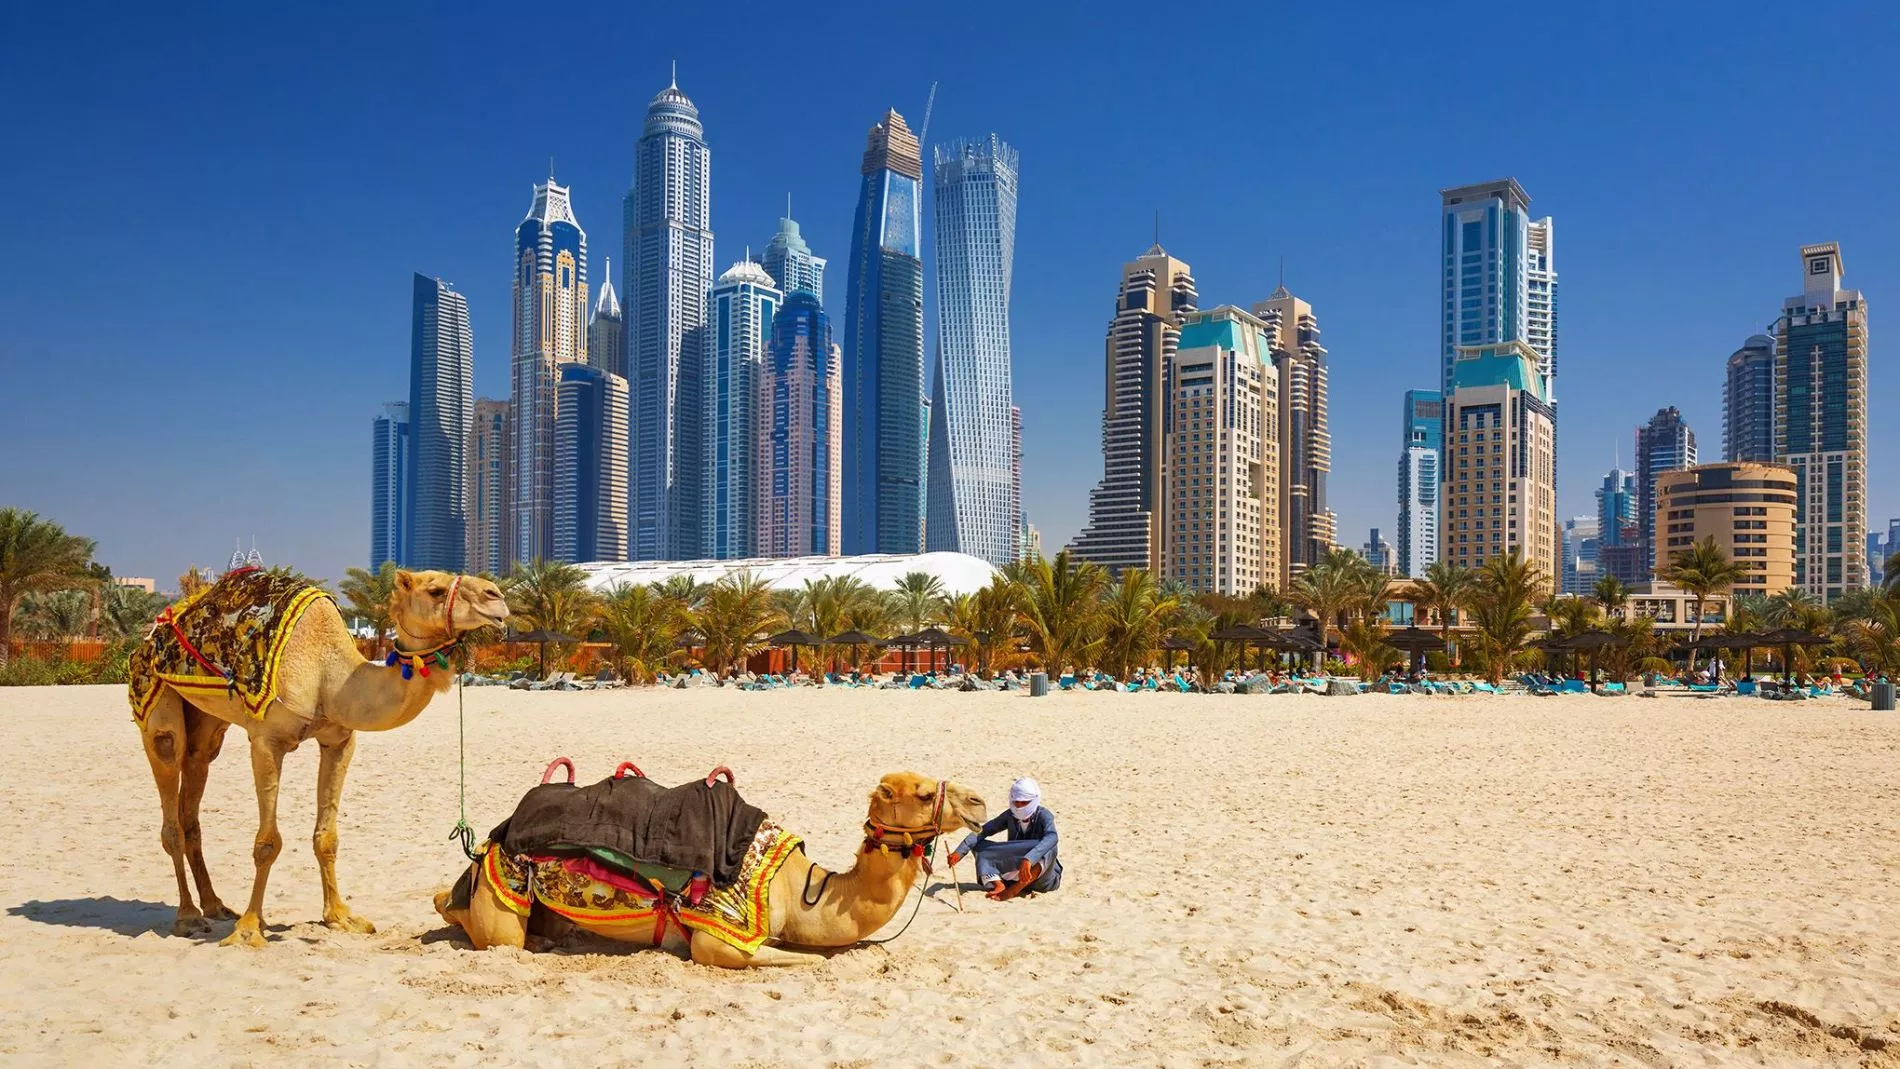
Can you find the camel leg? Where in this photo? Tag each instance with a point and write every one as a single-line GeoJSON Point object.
{"type": "Point", "coordinates": [486, 922]}
{"type": "Point", "coordinates": [709, 950]}
{"type": "Point", "coordinates": [333, 763]}
{"type": "Point", "coordinates": [205, 736]}
{"type": "Point", "coordinates": [267, 764]}
{"type": "Point", "coordinates": [164, 735]}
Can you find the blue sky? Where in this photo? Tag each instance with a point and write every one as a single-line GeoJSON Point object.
{"type": "Point", "coordinates": [205, 290]}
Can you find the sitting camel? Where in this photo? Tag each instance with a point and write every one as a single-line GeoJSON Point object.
{"type": "Point", "coordinates": [287, 669]}
{"type": "Point", "coordinates": [804, 906]}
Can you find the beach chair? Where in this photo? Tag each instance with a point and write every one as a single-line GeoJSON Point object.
{"type": "Point", "coordinates": [1617, 689]}
{"type": "Point", "coordinates": [1574, 686]}
{"type": "Point", "coordinates": [1746, 688]}
{"type": "Point", "coordinates": [1067, 682]}
{"type": "Point", "coordinates": [1400, 688]}
{"type": "Point", "coordinates": [1704, 688]}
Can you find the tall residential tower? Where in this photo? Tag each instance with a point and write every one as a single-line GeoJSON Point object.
{"type": "Point", "coordinates": [1821, 423]}
{"type": "Point", "coordinates": [1306, 446]}
{"type": "Point", "coordinates": [743, 304]}
{"type": "Point", "coordinates": [550, 320]}
{"type": "Point", "coordinates": [389, 485]}
{"type": "Point", "coordinates": [1665, 443]}
{"type": "Point", "coordinates": [789, 260]}
{"type": "Point", "coordinates": [1419, 467]}
{"type": "Point", "coordinates": [441, 412]}
{"type": "Point", "coordinates": [590, 466]}
{"type": "Point", "coordinates": [801, 435]}
{"type": "Point", "coordinates": [606, 336]}
{"type": "Point", "coordinates": [972, 469]}
{"type": "Point", "coordinates": [1748, 402]}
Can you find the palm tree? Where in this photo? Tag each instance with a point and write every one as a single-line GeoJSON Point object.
{"type": "Point", "coordinates": [1500, 602]}
{"type": "Point", "coordinates": [988, 618]}
{"type": "Point", "coordinates": [644, 626]}
{"type": "Point", "coordinates": [1365, 640]}
{"type": "Point", "coordinates": [1133, 615]}
{"type": "Point", "coordinates": [126, 612]}
{"type": "Point", "coordinates": [367, 594]}
{"type": "Point", "coordinates": [735, 617]}
{"type": "Point", "coordinates": [1611, 595]}
{"type": "Point", "coordinates": [1701, 570]}
{"type": "Point", "coordinates": [35, 555]}
{"type": "Point", "coordinates": [545, 595]}
{"type": "Point", "coordinates": [1061, 601]}
{"type": "Point", "coordinates": [1329, 588]}
{"type": "Point", "coordinates": [1441, 593]}
{"type": "Point", "coordinates": [1875, 639]}
{"type": "Point", "coordinates": [684, 589]}
{"type": "Point", "coordinates": [918, 600]}
{"type": "Point", "coordinates": [1568, 616]}
{"type": "Point", "coordinates": [57, 615]}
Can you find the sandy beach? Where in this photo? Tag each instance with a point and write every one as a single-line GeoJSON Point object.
{"type": "Point", "coordinates": [1372, 881]}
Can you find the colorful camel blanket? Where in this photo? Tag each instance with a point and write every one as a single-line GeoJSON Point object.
{"type": "Point", "coordinates": [580, 890]}
{"type": "Point", "coordinates": [239, 627]}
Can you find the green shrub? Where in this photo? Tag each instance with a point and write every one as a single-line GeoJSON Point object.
{"type": "Point", "coordinates": [28, 672]}
{"type": "Point", "coordinates": [1336, 667]}
{"type": "Point", "coordinates": [67, 673]}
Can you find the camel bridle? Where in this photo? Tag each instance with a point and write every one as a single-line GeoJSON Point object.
{"type": "Point", "coordinates": [911, 842]}
{"type": "Point", "coordinates": [420, 660]}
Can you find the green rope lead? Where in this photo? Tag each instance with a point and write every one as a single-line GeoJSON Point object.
{"type": "Point", "coordinates": [462, 832]}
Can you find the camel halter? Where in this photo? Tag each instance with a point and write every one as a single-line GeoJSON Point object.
{"type": "Point", "coordinates": [915, 842]}
{"type": "Point", "coordinates": [413, 661]}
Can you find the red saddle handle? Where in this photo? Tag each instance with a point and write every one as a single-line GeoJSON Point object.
{"type": "Point", "coordinates": [626, 767]}
{"type": "Point", "coordinates": [559, 762]}
{"type": "Point", "coordinates": [721, 771]}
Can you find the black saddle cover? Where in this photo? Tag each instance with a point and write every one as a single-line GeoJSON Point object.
{"type": "Point", "coordinates": [634, 821]}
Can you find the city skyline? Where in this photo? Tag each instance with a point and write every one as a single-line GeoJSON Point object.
{"type": "Point", "coordinates": [1376, 258]}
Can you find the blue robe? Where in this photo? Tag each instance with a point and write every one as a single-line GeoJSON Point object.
{"type": "Point", "coordinates": [1035, 843]}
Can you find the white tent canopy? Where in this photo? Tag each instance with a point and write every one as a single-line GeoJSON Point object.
{"type": "Point", "coordinates": [959, 573]}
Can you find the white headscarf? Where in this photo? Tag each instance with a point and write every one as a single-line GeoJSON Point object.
{"type": "Point", "coordinates": [1023, 791]}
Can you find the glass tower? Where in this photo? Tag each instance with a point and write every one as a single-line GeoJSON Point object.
{"type": "Point", "coordinates": [590, 466]}
{"type": "Point", "coordinates": [885, 417]}
{"type": "Point", "coordinates": [1748, 402]}
{"type": "Point", "coordinates": [1665, 443]}
{"type": "Point", "coordinates": [972, 466]}
{"type": "Point", "coordinates": [1306, 444]}
{"type": "Point", "coordinates": [667, 219]}
{"type": "Point", "coordinates": [801, 437]}
{"type": "Point", "coordinates": [789, 260]}
{"type": "Point", "coordinates": [550, 320]}
{"type": "Point", "coordinates": [743, 304]}
{"type": "Point", "coordinates": [1424, 419]}
{"type": "Point", "coordinates": [1821, 423]}
{"type": "Point", "coordinates": [389, 485]}
{"type": "Point", "coordinates": [488, 483]}
{"type": "Point", "coordinates": [606, 340]}
{"type": "Point", "coordinates": [441, 413]}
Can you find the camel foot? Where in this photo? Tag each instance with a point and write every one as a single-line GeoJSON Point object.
{"type": "Point", "coordinates": [248, 933]}
{"type": "Point", "coordinates": [218, 911]}
{"type": "Point", "coordinates": [191, 924]}
{"type": "Point", "coordinates": [342, 920]}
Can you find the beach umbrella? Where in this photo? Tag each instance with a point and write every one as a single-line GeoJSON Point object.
{"type": "Point", "coordinates": [1417, 642]}
{"type": "Point", "coordinates": [854, 639]}
{"type": "Point", "coordinates": [936, 638]}
{"type": "Point", "coordinates": [1788, 638]}
{"type": "Point", "coordinates": [906, 643]}
{"type": "Point", "coordinates": [1552, 645]}
{"type": "Point", "coordinates": [1176, 643]}
{"type": "Point", "coordinates": [1593, 641]}
{"type": "Point", "coordinates": [794, 639]}
{"type": "Point", "coordinates": [542, 639]}
{"type": "Point", "coordinates": [1248, 635]}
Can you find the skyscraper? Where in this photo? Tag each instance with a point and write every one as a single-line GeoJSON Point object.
{"type": "Point", "coordinates": [389, 485]}
{"type": "Point", "coordinates": [1379, 553]}
{"type": "Point", "coordinates": [1499, 489]}
{"type": "Point", "coordinates": [972, 469]}
{"type": "Point", "coordinates": [1419, 467]}
{"type": "Point", "coordinates": [743, 304]}
{"type": "Point", "coordinates": [606, 338]}
{"type": "Point", "coordinates": [550, 318]}
{"type": "Point", "coordinates": [667, 215]}
{"type": "Point", "coordinates": [1306, 446]}
{"type": "Point", "coordinates": [1748, 402]}
{"type": "Point", "coordinates": [441, 411]}
{"type": "Point", "coordinates": [789, 260]}
{"type": "Point", "coordinates": [885, 419]}
{"type": "Point", "coordinates": [1616, 506]}
{"type": "Point", "coordinates": [801, 458]}
{"type": "Point", "coordinates": [1125, 528]}
{"type": "Point", "coordinates": [488, 486]}
{"type": "Point", "coordinates": [1579, 556]}
{"type": "Point", "coordinates": [590, 466]}
{"type": "Point", "coordinates": [1821, 422]}
{"type": "Point", "coordinates": [1665, 443]}
{"type": "Point", "coordinates": [1221, 495]}
{"type": "Point", "coordinates": [1499, 274]}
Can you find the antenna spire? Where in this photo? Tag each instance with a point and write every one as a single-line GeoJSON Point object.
{"type": "Point", "coordinates": [550, 170]}
{"type": "Point", "coordinates": [1283, 270]}
{"type": "Point", "coordinates": [1157, 226]}
{"type": "Point", "coordinates": [674, 82]}
{"type": "Point", "coordinates": [788, 204]}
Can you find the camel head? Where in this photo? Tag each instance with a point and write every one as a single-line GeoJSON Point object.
{"type": "Point", "coordinates": [907, 800]}
{"type": "Point", "coordinates": [420, 605]}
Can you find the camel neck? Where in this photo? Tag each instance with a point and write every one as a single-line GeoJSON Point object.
{"type": "Point", "coordinates": [852, 904]}
{"type": "Point", "coordinates": [375, 697]}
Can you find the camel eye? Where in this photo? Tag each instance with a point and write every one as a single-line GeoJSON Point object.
{"type": "Point", "coordinates": [436, 592]}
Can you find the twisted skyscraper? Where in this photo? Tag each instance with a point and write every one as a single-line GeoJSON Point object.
{"type": "Point", "coordinates": [973, 497]}
{"type": "Point", "coordinates": [667, 215]}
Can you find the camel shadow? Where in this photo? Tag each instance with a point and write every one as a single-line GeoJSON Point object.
{"type": "Point", "coordinates": [128, 917]}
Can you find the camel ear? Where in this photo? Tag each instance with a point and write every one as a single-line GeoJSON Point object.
{"type": "Point", "coordinates": [405, 580]}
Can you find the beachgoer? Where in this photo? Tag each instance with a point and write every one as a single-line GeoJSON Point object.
{"type": "Point", "coordinates": [1026, 860]}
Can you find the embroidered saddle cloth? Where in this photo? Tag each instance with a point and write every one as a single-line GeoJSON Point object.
{"type": "Point", "coordinates": [637, 827]}
{"type": "Point", "coordinates": [239, 624]}
{"type": "Point", "coordinates": [580, 890]}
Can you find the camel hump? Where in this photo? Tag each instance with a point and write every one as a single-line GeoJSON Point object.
{"type": "Point", "coordinates": [635, 826]}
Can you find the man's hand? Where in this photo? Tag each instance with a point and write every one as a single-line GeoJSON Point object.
{"type": "Point", "coordinates": [1026, 871]}
{"type": "Point", "coordinates": [954, 858]}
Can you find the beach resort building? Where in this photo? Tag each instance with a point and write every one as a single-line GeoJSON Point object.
{"type": "Point", "coordinates": [441, 408]}
{"type": "Point", "coordinates": [1222, 493]}
{"type": "Point", "coordinates": [972, 487]}
{"type": "Point", "coordinates": [1125, 528]}
{"type": "Point", "coordinates": [1309, 528]}
{"type": "Point", "coordinates": [389, 484]}
{"type": "Point", "coordinates": [1821, 423]}
{"type": "Point", "coordinates": [743, 304]}
{"type": "Point", "coordinates": [550, 330]}
{"type": "Point", "coordinates": [590, 466]}
{"type": "Point", "coordinates": [1747, 508]}
{"type": "Point", "coordinates": [1418, 481]}
{"type": "Point", "coordinates": [1748, 402]}
{"type": "Point", "coordinates": [800, 466]}
{"type": "Point", "coordinates": [487, 483]}
{"type": "Point", "coordinates": [666, 220]}
{"type": "Point", "coordinates": [1499, 484]}
{"type": "Point", "coordinates": [1663, 444]}
{"type": "Point", "coordinates": [883, 343]}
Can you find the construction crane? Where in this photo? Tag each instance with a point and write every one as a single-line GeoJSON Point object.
{"type": "Point", "coordinates": [923, 136]}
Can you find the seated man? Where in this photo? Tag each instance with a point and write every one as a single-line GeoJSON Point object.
{"type": "Point", "coordinates": [1027, 856]}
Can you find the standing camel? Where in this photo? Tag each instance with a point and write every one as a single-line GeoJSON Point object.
{"type": "Point", "coordinates": [804, 905]}
{"type": "Point", "coordinates": [287, 670]}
